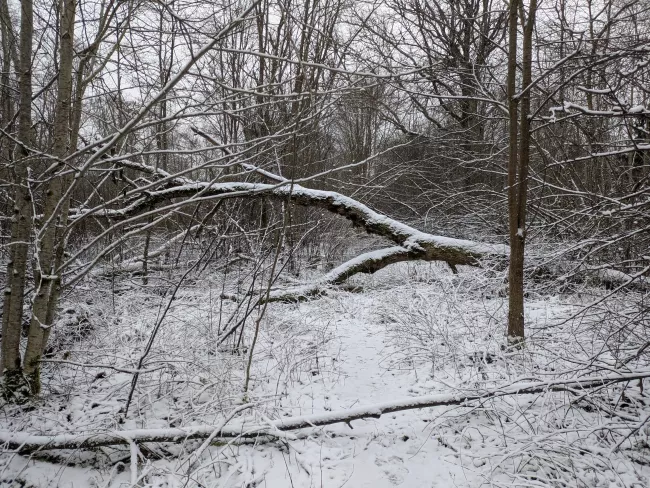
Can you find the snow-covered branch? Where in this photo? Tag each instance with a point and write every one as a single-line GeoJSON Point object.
{"type": "Point", "coordinates": [412, 243]}
{"type": "Point", "coordinates": [368, 263]}
{"type": "Point", "coordinates": [24, 442]}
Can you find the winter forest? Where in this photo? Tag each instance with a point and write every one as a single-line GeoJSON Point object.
{"type": "Point", "coordinates": [325, 243]}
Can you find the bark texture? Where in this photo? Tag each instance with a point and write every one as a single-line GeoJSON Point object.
{"type": "Point", "coordinates": [518, 160]}
{"type": "Point", "coordinates": [21, 227]}
{"type": "Point", "coordinates": [53, 229]}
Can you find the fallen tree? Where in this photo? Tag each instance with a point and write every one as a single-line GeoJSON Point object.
{"type": "Point", "coordinates": [412, 244]}
{"type": "Point", "coordinates": [23, 442]}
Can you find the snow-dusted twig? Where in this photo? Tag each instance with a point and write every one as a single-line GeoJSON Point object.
{"type": "Point", "coordinates": [156, 328]}
{"type": "Point", "coordinates": [196, 455]}
{"type": "Point", "coordinates": [633, 431]}
{"type": "Point", "coordinates": [135, 264]}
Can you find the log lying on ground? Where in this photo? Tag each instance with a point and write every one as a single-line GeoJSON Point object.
{"type": "Point", "coordinates": [23, 442]}
{"type": "Point", "coordinates": [614, 278]}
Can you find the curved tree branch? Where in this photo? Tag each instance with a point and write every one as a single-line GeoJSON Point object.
{"type": "Point", "coordinates": [412, 243]}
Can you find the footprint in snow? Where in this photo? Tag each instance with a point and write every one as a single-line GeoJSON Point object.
{"type": "Point", "coordinates": [396, 474]}
{"type": "Point", "coordinates": [380, 461]}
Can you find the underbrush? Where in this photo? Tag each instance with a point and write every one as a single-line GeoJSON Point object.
{"type": "Point", "coordinates": [453, 331]}
{"type": "Point", "coordinates": [427, 331]}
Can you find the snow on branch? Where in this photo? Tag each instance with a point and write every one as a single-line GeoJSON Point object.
{"type": "Point", "coordinates": [23, 442]}
{"type": "Point", "coordinates": [412, 243]}
{"type": "Point", "coordinates": [636, 110]}
{"type": "Point", "coordinates": [369, 263]}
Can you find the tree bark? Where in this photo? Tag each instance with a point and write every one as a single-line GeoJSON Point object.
{"type": "Point", "coordinates": [518, 163]}
{"type": "Point", "coordinates": [22, 215]}
{"type": "Point", "coordinates": [515, 278]}
{"type": "Point", "coordinates": [86, 64]}
{"type": "Point", "coordinates": [53, 228]}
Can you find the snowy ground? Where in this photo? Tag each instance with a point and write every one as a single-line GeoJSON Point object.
{"type": "Point", "coordinates": [414, 330]}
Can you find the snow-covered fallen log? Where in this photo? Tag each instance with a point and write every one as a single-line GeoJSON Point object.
{"type": "Point", "coordinates": [456, 251]}
{"type": "Point", "coordinates": [616, 278]}
{"type": "Point", "coordinates": [412, 244]}
{"type": "Point", "coordinates": [24, 442]}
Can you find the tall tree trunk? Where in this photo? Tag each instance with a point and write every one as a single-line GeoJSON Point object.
{"type": "Point", "coordinates": [515, 276]}
{"type": "Point", "coordinates": [22, 215]}
{"type": "Point", "coordinates": [53, 229]}
{"type": "Point", "coordinates": [162, 137]}
{"type": "Point", "coordinates": [81, 82]}
{"type": "Point", "coordinates": [518, 162]}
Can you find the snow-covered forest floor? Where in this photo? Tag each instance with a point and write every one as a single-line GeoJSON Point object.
{"type": "Point", "coordinates": [413, 330]}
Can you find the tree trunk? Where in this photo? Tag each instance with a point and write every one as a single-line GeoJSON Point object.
{"type": "Point", "coordinates": [53, 229]}
{"type": "Point", "coordinates": [9, 56]}
{"type": "Point", "coordinates": [515, 274]}
{"type": "Point", "coordinates": [518, 162]}
{"type": "Point", "coordinates": [22, 216]}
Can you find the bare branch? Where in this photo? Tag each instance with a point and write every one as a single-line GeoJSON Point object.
{"type": "Point", "coordinates": [23, 442]}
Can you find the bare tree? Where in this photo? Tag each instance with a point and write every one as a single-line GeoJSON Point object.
{"type": "Point", "coordinates": [22, 213]}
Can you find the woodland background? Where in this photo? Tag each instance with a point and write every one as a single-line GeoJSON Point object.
{"type": "Point", "coordinates": [153, 150]}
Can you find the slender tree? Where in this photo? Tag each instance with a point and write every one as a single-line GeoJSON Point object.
{"type": "Point", "coordinates": [21, 228]}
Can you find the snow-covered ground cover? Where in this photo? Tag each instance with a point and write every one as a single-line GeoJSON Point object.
{"type": "Point", "coordinates": [414, 330]}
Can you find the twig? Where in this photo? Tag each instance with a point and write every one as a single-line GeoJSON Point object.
{"type": "Point", "coordinates": [107, 366]}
